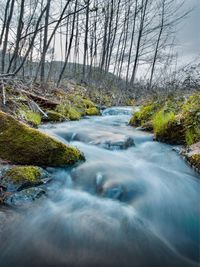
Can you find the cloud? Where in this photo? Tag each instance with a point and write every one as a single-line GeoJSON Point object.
{"type": "Point", "coordinates": [189, 33]}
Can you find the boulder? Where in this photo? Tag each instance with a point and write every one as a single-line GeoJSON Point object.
{"type": "Point", "coordinates": [24, 197]}
{"type": "Point", "coordinates": [119, 143]}
{"type": "Point", "coordinates": [20, 177]}
{"type": "Point", "coordinates": [23, 145]}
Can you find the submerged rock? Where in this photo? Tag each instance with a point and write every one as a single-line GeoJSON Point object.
{"type": "Point", "coordinates": [24, 197]}
{"type": "Point", "coordinates": [23, 145]}
{"type": "Point", "coordinates": [113, 192]}
{"type": "Point", "coordinates": [119, 143]}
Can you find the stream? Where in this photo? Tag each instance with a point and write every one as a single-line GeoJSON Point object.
{"type": "Point", "coordinates": [133, 203]}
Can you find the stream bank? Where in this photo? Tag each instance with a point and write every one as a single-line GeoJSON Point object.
{"type": "Point", "coordinates": [136, 205]}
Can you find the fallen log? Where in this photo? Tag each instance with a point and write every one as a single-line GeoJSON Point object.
{"type": "Point", "coordinates": [41, 101]}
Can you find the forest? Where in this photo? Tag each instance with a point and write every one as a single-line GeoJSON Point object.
{"type": "Point", "coordinates": [99, 133]}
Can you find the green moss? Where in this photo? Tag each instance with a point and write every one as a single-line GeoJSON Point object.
{"type": "Point", "coordinates": [76, 106]}
{"type": "Point", "coordinates": [88, 103]}
{"type": "Point", "coordinates": [69, 112]}
{"type": "Point", "coordinates": [22, 174]}
{"type": "Point", "coordinates": [175, 120]}
{"type": "Point", "coordinates": [92, 111]}
{"type": "Point", "coordinates": [73, 114]}
{"type": "Point", "coordinates": [61, 109]}
{"type": "Point", "coordinates": [145, 114]}
{"type": "Point", "coordinates": [55, 116]}
{"type": "Point", "coordinates": [106, 100]}
{"type": "Point", "coordinates": [130, 102]}
{"type": "Point", "coordinates": [24, 145]}
{"type": "Point", "coordinates": [168, 128]}
{"type": "Point", "coordinates": [161, 121]}
{"type": "Point", "coordinates": [191, 115]}
{"type": "Point", "coordinates": [192, 135]}
{"type": "Point", "coordinates": [31, 117]}
{"type": "Point", "coordinates": [81, 104]}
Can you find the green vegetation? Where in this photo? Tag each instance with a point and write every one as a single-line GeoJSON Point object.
{"type": "Point", "coordinates": [68, 112]}
{"type": "Point", "coordinates": [161, 120]}
{"type": "Point", "coordinates": [191, 115]}
{"type": "Point", "coordinates": [145, 114]}
{"type": "Point", "coordinates": [33, 118]}
{"type": "Point", "coordinates": [55, 116]}
{"type": "Point", "coordinates": [73, 114]}
{"type": "Point", "coordinates": [24, 173]}
{"type": "Point", "coordinates": [75, 106]}
{"type": "Point", "coordinates": [93, 111]}
{"type": "Point", "coordinates": [167, 127]}
{"type": "Point", "coordinates": [23, 145]}
{"type": "Point", "coordinates": [173, 120]}
{"type": "Point", "coordinates": [82, 104]}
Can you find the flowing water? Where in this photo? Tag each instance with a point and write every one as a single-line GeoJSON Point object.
{"type": "Point", "coordinates": [134, 205]}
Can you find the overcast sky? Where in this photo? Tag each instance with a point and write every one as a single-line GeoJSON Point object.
{"type": "Point", "coordinates": [188, 37]}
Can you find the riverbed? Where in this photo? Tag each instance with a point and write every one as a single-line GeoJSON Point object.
{"type": "Point", "coordinates": [133, 202]}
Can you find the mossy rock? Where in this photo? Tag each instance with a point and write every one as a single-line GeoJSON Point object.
{"type": "Point", "coordinates": [24, 173]}
{"type": "Point", "coordinates": [82, 104]}
{"type": "Point", "coordinates": [94, 111]}
{"type": "Point", "coordinates": [68, 111]}
{"type": "Point", "coordinates": [73, 114]}
{"type": "Point", "coordinates": [194, 160]}
{"type": "Point", "coordinates": [19, 177]}
{"type": "Point", "coordinates": [88, 103]}
{"type": "Point", "coordinates": [54, 116]}
{"type": "Point", "coordinates": [26, 146]}
{"type": "Point", "coordinates": [75, 106]}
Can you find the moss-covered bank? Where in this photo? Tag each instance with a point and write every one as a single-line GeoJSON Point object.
{"type": "Point", "coordinates": [73, 107]}
{"type": "Point", "coordinates": [26, 146]}
{"type": "Point", "coordinates": [173, 120]}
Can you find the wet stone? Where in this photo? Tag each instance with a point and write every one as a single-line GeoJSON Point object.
{"type": "Point", "coordinates": [118, 144]}
{"type": "Point", "coordinates": [24, 197]}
